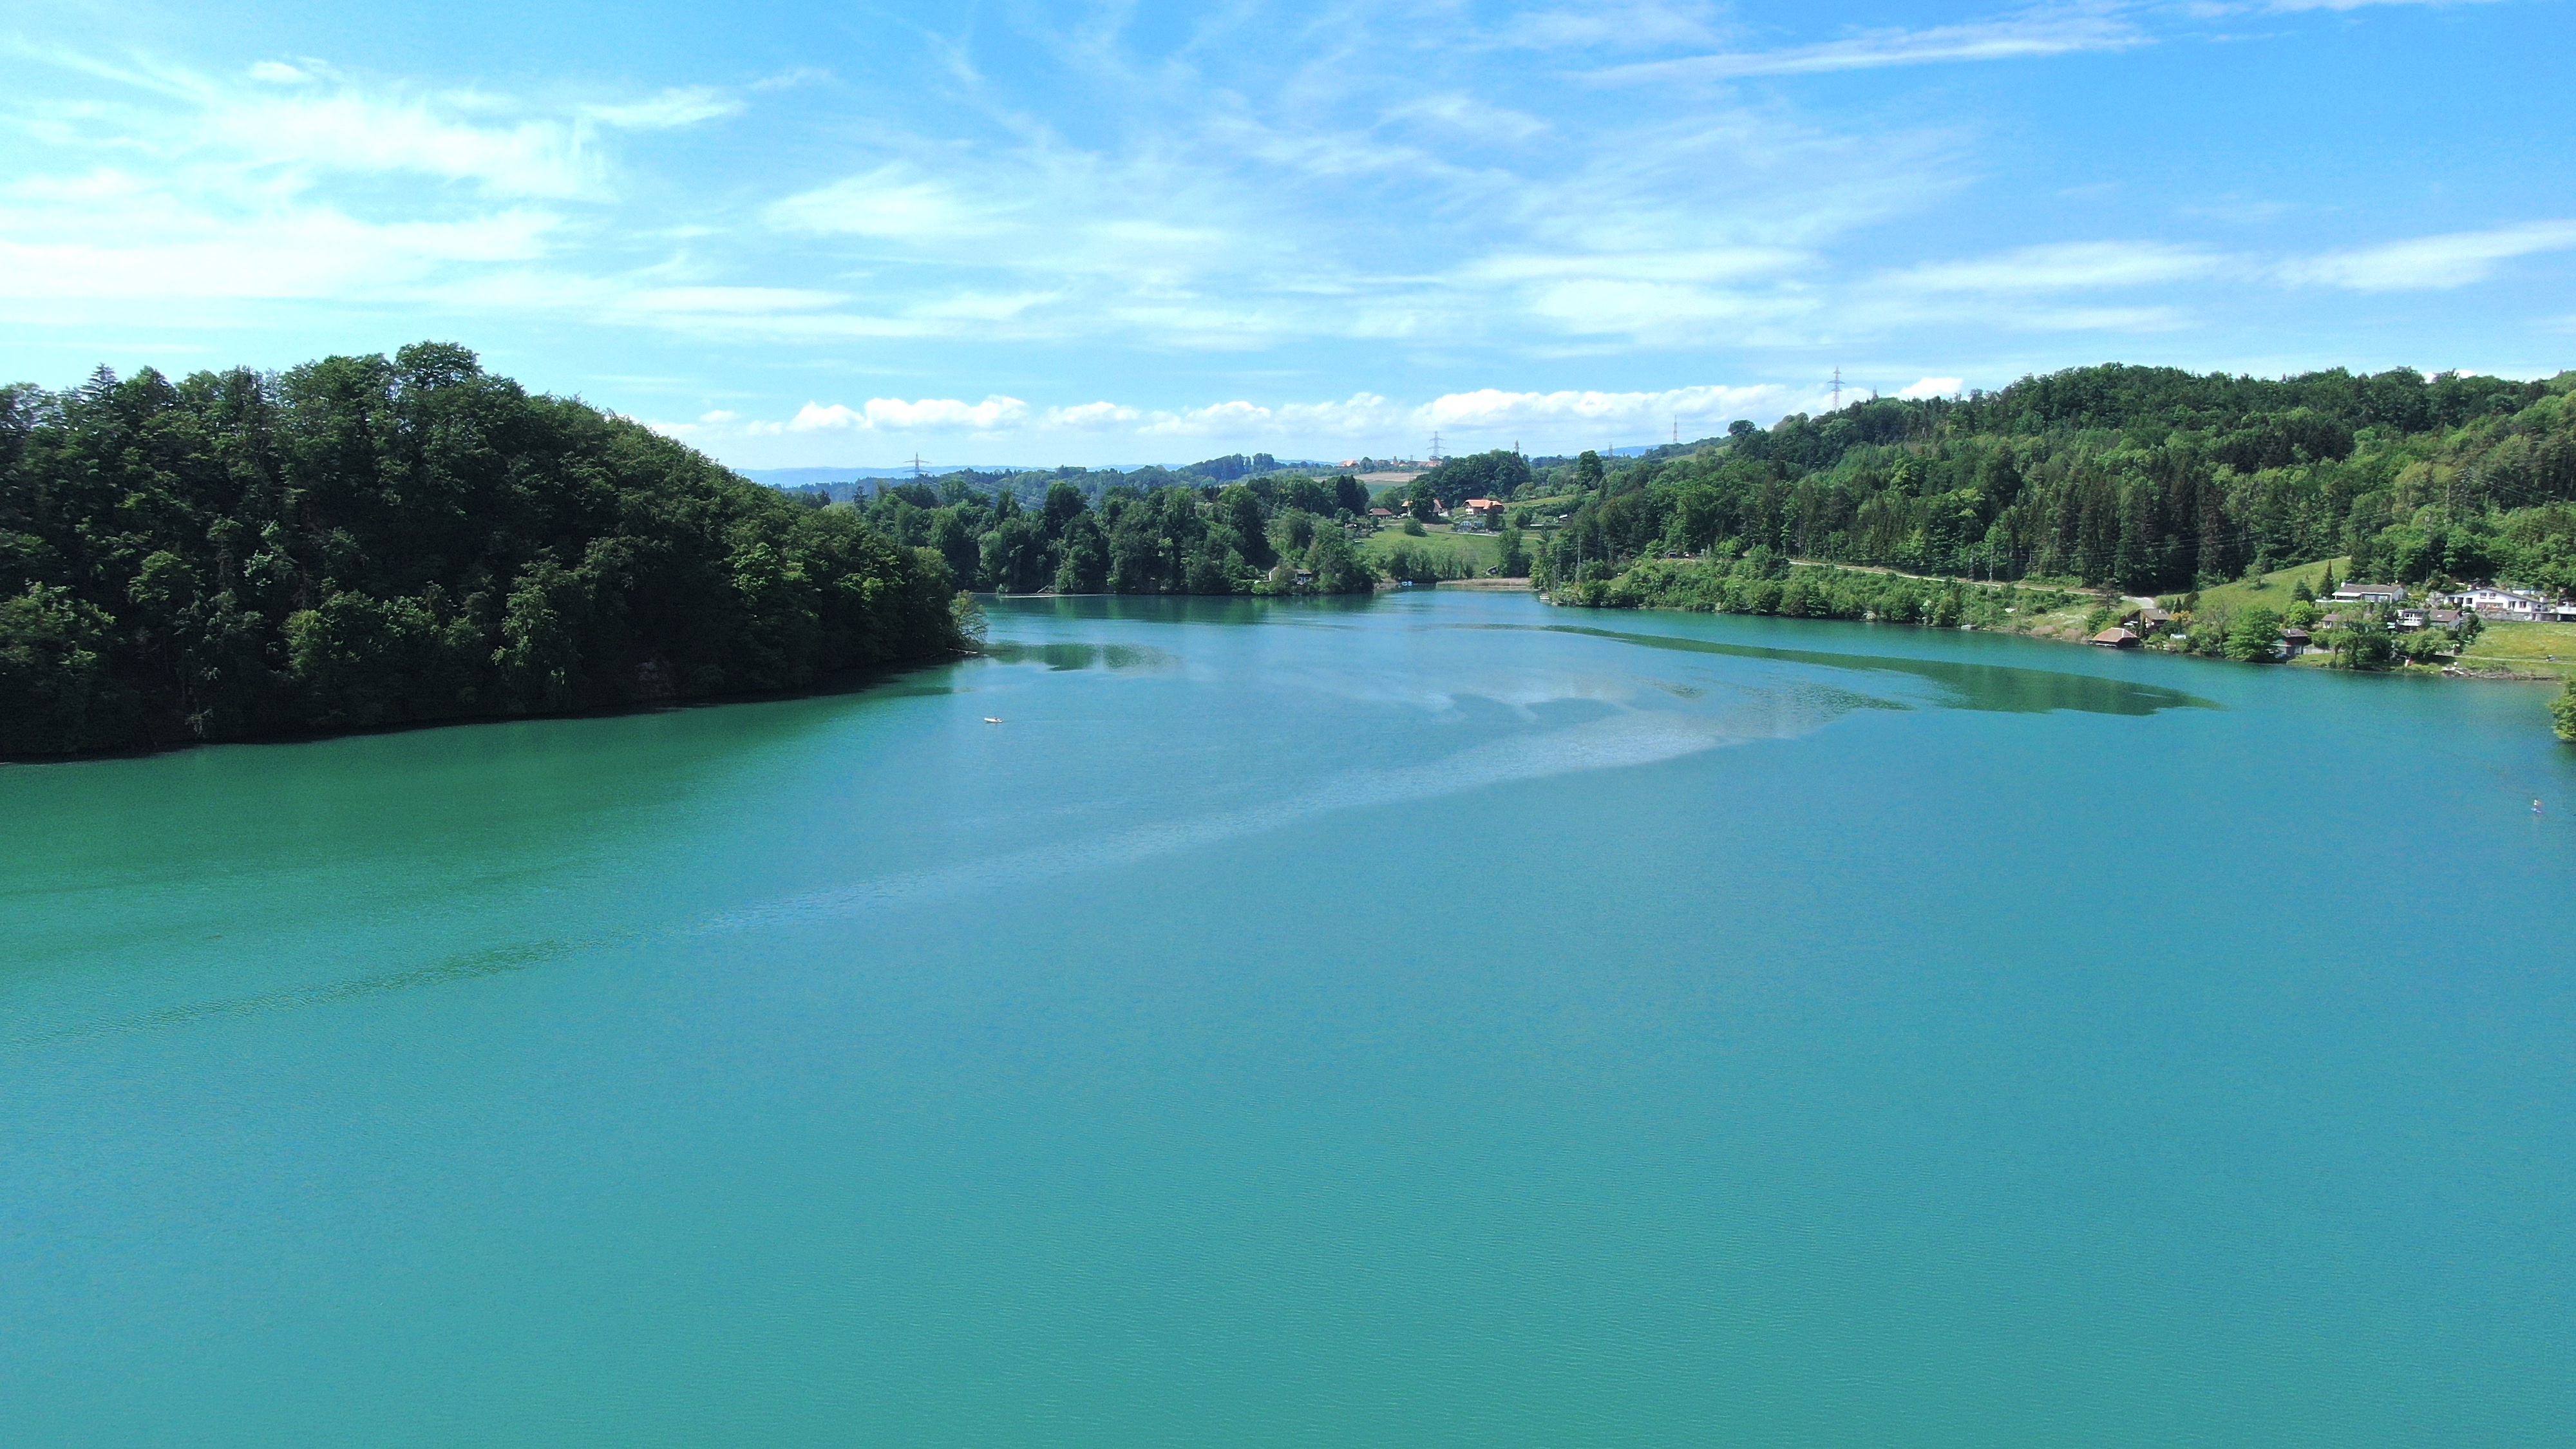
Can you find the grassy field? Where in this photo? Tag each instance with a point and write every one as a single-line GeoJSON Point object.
{"type": "Point", "coordinates": [2272, 591]}
{"type": "Point", "coordinates": [1478, 549]}
{"type": "Point", "coordinates": [2524, 648]}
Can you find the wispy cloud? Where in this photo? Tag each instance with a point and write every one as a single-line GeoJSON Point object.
{"type": "Point", "coordinates": [673, 108]}
{"type": "Point", "coordinates": [2064, 266]}
{"type": "Point", "coordinates": [2431, 263]}
{"type": "Point", "coordinates": [2032, 33]}
{"type": "Point", "coordinates": [1620, 27]}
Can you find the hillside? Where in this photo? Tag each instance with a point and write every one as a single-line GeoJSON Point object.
{"type": "Point", "coordinates": [368, 541]}
{"type": "Point", "coordinates": [2143, 480]}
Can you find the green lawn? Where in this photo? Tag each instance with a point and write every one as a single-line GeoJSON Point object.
{"type": "Point", "coordinates": [1478, 549]}
{"type": "Point", "coordinates": [2272, 591]}
{"type": "Point", "coordinates": [2527, 648]}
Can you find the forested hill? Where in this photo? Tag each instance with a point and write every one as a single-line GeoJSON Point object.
{"type": "Point", "coordinates": [364, 541]}
{"type": "Point", "coordinates": [2149, 479]}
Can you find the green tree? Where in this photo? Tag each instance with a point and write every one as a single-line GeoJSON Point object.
{"type": "Point", "coordinates": [967, 612]}
{"type": "Point", "coordinates": [2562, 711]}
{"type": "Point", "coordinates": [2364, 646]}
{"type": "Point", "coordinates": [1084, 565]}
{"type": "Point", "coordinates": [2254, 635]}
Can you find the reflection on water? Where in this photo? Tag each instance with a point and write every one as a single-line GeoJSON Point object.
{"type": "Point", "coordinates": [2002, 687]}
{"type": "Point", "coordinates": [1078, 656]}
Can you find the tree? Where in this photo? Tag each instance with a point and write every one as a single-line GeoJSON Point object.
{"type": "Point", "coordinates": [2254, 635]}
{"type": "Point", "coordinates": [1420, 499]}
{"type": "Point", "coordinates": [968, 613]}
{"type": "Point", "coordinates": [1337, 567]}
{"type": "Point", "coordinates": [1515, 560]}
{"type": "Point", "coordinates": [1084, 564]}
{"type": "Point", "coordinates": [2562, 711]}
{"type": "Point", "coordinates": [2364, 646]}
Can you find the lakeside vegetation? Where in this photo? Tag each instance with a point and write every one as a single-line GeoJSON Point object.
{"type": "Point", "coordinates": [1152, 531]}
{"type": "Point", "coordinates": [2144, 480]}
{"type": "Point", "coordinates": [2126, 482]}
{"type": "Point", "coordinates": [369, 541]}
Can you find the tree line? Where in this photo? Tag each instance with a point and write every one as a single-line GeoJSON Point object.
{"type": "Point", "coordinates": [366, 541]}
{"type": "Point", "coordinates": [2149, 480]}
{"type": "Point", "coordinates": [1150, 531]}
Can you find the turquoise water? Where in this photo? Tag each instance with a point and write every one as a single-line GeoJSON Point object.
{"type": "Point", "coordinates": [1438, 1020]}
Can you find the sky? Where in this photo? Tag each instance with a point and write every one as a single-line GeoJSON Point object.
{"type": "Point", "coordinates": [1039, 234]}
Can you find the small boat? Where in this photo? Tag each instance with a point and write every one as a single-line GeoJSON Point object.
{"type": "Point", "coordinates": [988, 719]}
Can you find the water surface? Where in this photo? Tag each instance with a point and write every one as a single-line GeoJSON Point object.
{"type": "Point", "coordinates": [1433, 1020]}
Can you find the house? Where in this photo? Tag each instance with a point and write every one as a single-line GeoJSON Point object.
{"type": "Point", "coordinates": [1381, 513]}
{"type": "Point", "coordinates": [2518, 606]}
{"type": "Point", "coordinates": [2152, 619]}
{"type": "Point", "coordinates": [2562, 612]}
{"type": "Point", "coordinates": [2297, 639]}
{"type": "Point", "coordinates": [2116, 637]}
{"type": "Point", "coordinates": [2350, 593]}
{"type": "Point", "coordinates": [1488, 511]}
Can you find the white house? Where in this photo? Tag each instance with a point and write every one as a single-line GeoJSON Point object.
{"type": "Point", "coordinates": [2519, 606]}
{"type": "Point", "coordinates": [2350, 593]}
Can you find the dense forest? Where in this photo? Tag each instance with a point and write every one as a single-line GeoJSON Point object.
{"type": "Point", "coordinates": [362, 541]}
{"type": "Point", "coordinates": [2149, 480]}
{"type": "Point", "coordinates": [1151, 531]}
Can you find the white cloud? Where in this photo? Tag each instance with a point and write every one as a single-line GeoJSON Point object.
{"type": "Point", "coordinates": [2431, 263]}
{"type": "Point", "coordinates": [356, 132]}
{"type": "Point", "coordinates": [2040, 32]}
{"type": "Point", "coordinates": [2298, 5]}
{"type": "Point", "coordinates": [1466, 115]}
{"type": "Point", "coordinates": [278, 72]}
{"type": "Point", "coordinates": [145, 247]}
{"type": "Point", "coordinates": [1634, 26]}
{"type": "Point", "coordinates": [673, 108]}
{"type": "Point", "coordinates": [1570, 413]}
{"type": "Point", "coordinates": [1933, 387]}
{"type": "Point", "coordinates": [1091, 415]}
{"type": "Point", "coordinates": [731, 301]}
{"type": "Point", "coordinates": [2063, 266]}
{"type": "Point", "coordinates": [895, 412]}
{"type": "Point", "coordinates": [894, 202]}
{"type": "Point", "coordinates": [1364, 422]}
{"type": "Point", "coordinates": [718, 415]}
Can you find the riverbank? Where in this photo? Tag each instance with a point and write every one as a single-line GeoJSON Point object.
{"type": "Point", "coordinates": [2523, 652]}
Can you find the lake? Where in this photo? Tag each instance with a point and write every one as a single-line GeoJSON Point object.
{"type": "Point", "coordinates": [1431, 1020]}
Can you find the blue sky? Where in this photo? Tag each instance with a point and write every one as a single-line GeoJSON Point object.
{"type": "Point", "coordinates": [1032, 233]}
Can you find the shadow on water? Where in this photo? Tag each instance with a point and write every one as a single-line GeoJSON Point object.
{"type": "Point", "coordinates": [2002, 687]}
{"type": "Point", "coordinates": [1177, 608]}
{"type": "Point", "coordinates": [468, 966]}
{"type": "Point", "coordinates": [1078, 656]}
